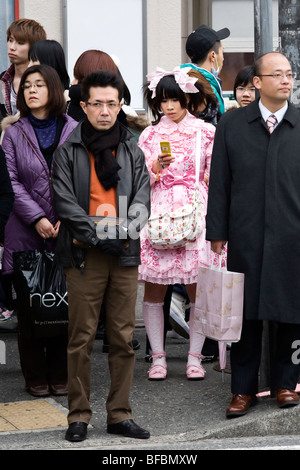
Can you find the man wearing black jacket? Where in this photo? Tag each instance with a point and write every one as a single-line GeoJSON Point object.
{"type": "Point", "coordinates": [100, 172]}
{"type": "Point", "coordinates": [253, 203]}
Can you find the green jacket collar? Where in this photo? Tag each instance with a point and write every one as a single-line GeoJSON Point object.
{"type": "Point", "coordinates": [212, 81]}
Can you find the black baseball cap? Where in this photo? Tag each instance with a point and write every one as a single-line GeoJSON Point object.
{"type": "Point", "coordinates": [202, 40]}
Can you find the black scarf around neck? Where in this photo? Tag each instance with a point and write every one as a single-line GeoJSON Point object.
{"type": "Point", "coordinates": [102, 144]}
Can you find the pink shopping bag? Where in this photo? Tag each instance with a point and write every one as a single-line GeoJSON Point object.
{"type": "Point", "coordinates": [219, 304]}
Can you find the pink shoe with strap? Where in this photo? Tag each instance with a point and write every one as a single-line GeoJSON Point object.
{"type": "Point", "coordinates": [158, 371]}
{"type": "Point", "coordinates": [195, 371]}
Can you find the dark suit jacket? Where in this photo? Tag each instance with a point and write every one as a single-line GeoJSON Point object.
{"type": "Point", "coordinates": [254, 203]}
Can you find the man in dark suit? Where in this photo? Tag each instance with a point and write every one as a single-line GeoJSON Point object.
{"type": "Point", "coordinates": [254, 205]}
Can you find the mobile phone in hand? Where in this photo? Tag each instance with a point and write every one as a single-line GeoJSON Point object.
{"type": "Point", "coordinates": [165, 147]}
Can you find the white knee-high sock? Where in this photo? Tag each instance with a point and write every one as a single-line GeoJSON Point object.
{"type": "Point", "coordinates": [154, 323]}
{"type": "Point", "coordinates": [196, 340]}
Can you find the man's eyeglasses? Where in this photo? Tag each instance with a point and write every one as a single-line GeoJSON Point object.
{"type": "Point", "coordinates": [27, 86]}
{"type": "Point", "coordinates": [279, 76]}
{"type": "Point", "coordinates": [97, 105]}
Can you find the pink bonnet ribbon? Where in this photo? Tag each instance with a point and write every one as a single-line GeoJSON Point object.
{"type": "Point", "coordinates": [184, 81]}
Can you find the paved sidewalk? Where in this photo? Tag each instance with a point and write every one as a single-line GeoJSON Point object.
{"type": "Point", "coordinates": [176, 411]}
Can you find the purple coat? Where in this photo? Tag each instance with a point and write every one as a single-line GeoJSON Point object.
{"type": "Point", "coordinates": [31, 182]}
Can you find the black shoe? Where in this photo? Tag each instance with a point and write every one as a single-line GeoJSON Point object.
{"type": "Point", "coordinates": [148, 358]}
{"type": "Point", "coordinates": [209, 358]}
{"type": "Point", "coordinates": [128, 428]}
{"type": "Point", "coordinates": [39, 391]}
{"type": "Point", "coordinates": [76, 432]}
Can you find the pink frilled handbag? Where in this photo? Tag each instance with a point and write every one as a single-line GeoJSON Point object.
{"type": "Point", "coordinates": [184, 224]}
{"type": "Point", "coordinates": [219, 304]}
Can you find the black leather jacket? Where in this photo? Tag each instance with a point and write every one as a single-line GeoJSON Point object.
{"type": "Point", "coordinates": [71, 186]}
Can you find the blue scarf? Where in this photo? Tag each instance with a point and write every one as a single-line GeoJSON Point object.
{"type": "Point", "coordinates": [45, 130]}
{"type": "Point", "coordinates": [213, 83]}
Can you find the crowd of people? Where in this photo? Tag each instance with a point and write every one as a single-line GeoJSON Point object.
{"type": "Point", "coordinates": [75, 154]}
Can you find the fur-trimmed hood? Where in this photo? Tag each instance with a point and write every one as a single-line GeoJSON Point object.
{"type": "Point", "coordinates": [8, 121]}
{"type": "Point", "coordinates": [138, 122]}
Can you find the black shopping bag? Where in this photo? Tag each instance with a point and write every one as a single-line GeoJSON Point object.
{"type": "Point", "coordinates": [41, 291]}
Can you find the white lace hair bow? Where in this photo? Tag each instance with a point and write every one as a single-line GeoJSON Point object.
{"type": "Point", "coordinates": [184, 81]}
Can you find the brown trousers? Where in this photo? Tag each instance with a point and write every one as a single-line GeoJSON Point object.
{"type": "Point", "coordinates": [102, 275]}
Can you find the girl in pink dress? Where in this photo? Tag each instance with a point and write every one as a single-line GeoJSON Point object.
{"type": "Point", "coordinates": [172, 98]}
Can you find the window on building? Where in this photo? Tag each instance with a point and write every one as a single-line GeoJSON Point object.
{"type": "Point", "coordinates": [238, 16]}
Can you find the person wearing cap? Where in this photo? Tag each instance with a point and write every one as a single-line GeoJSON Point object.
{"type": "Point", "coordinates": [205, 49]}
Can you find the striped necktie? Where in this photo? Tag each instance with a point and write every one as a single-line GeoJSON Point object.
{"type": "Point", "coordinates": [271, 122]}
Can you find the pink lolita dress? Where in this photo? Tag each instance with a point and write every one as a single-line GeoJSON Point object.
{"type": "Point", "coordinates": [176, 265]}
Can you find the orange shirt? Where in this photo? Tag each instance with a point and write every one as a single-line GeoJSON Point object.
{"type": "Point", "coordinates": [102, 202]}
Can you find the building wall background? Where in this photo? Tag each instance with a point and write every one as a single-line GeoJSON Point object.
{"type": "Point", "coordinates": [163, 33]}
{"type": "Point", "coordinates": [7, 15]}
{"type": "Point", "coordinates": [47, 12]}
{"type": "Point", "coordinates": [164, 26]}
{"type": "Point", "coordinates": [169, 22]}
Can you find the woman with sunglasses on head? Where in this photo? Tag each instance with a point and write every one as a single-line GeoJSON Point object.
{"type": "Point", "coordinates": [29, 144]}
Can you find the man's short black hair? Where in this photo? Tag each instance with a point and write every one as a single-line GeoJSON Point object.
{"type": "Point", "coordinates": [101, 78]}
